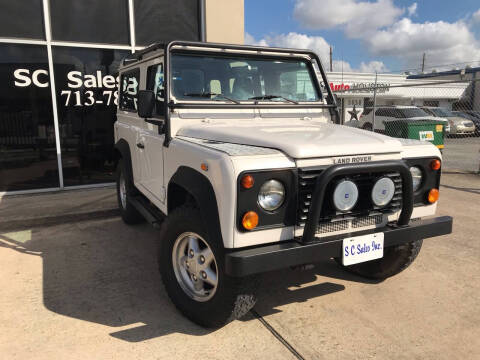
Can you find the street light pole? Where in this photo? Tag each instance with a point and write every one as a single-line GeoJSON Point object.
{"type": "Point", "coordinates": [374, 100]}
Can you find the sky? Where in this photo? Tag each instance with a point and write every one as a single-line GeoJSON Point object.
{"type": "Point", "coordinates": [374, 35]}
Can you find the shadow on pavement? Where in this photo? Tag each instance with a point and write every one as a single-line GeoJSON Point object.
{"type": "Point", "coordinates": [105, 272]}
{"type": "Point", "coordinates": [292, 286]}
{"type": "Point", "coordinates": [469, 190]}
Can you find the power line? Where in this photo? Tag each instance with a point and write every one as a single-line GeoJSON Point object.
{"type": "Point", "coordinates": [434, 66]}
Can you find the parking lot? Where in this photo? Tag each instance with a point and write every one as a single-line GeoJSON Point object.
{"type": "Point", "coordinates": [462, 154]}
{"type": "Point", "coordinates": [90, 290]}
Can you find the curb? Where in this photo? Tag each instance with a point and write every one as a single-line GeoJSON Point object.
{"type": "Point", "coordinates": [46, 221]}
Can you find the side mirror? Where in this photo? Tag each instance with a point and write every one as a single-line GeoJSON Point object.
{"type": "Point", "coordinates": [146, 103]}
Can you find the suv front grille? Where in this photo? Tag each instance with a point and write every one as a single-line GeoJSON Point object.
{"type": "Point", "coordinates": [350, 224]}
{"type": "Point", "coordinates": [364, 214]}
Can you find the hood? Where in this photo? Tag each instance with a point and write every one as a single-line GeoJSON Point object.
{"type": "Point", "coordinates": [457, 119]}
{"type": "Point", "coordinates": [297, 138]}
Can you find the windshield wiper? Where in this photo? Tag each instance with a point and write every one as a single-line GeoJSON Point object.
{"type": "Point", "coordinates": [209, 94]}
{"type": "Point", "coordinates": [270, 97]}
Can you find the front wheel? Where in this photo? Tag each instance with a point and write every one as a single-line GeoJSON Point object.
{"type": "Point", "coordinates": [193, 271]}
{"type": "Point", "coordinates": [395, 259]}
{"type": "Point", "coordinates": [125, 188]}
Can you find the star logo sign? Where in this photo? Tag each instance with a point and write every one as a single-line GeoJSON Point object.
{"type": "Point", "coordinates": [353, 113]}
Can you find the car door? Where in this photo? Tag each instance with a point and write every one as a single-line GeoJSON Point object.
{"type": "Point", "coordinates": [380, 116]}
{"type": "Point", "coordinates": [152, 136]}
{"type": "Point", "coordinates": [129, 122]}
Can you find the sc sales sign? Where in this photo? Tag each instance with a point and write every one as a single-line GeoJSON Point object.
{"type": "Point", "coordinates": [75, 80]}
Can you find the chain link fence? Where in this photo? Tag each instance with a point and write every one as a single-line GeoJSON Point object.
{"type": "Point", "coordinates": [443, 112]}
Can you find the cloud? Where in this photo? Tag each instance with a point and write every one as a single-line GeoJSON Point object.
{"type": "Point", "coordinates": [412, 9]}
{"type": "Point", "coordinates": [316, 43]}
{"type": "Point", "coordinates": [294, 40]}
{"type": "Point", "coordinates": [341, 66]}
{"type": "Point", "coordinates": [373, 66]}
{"type": "Point", "coordinates": [250, 40]}
{"type": "Point", "coordinates": [357, 18]}
{"type": "Point", "coordinates": [443, 42]}
{"type": "Point", "coordinates": [476, 16]}
{"type": "Point", "coordinates": [384, 32]}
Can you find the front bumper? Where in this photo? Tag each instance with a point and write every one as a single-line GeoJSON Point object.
{"type": "Point", "coordinates": [291, 253]}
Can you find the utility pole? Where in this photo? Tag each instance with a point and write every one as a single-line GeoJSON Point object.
{"type": "Point", "coordinates": [331, 62]}
{"type": "Point", "coordinates": [423, 63]}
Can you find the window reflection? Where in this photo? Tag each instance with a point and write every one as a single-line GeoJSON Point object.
{"type": "Point", "coordinates": [28, 157]}
{"type": "Point", "coordinates": [87, 96]}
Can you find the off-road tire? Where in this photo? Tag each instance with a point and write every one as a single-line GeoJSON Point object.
{"type": "Point", "coordinates": [395, 260]}
{"type": "Point", "coordinates": [233, 298]}
{"type": "Point", "coordinates": [129, 214]}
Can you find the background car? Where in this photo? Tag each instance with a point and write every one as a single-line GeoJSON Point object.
{"type": "Point", "coordinates": [391, 113]}
{"type": "Point", "coordinates": [458, 125]}
{"type": "Point", "coordinates": [469, 116]}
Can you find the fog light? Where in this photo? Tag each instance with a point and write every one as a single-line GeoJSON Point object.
{"type": "Point", "coordinates": [433, 196]}
{"type": "Point", "coordinates": [345, 195]}
{"type": "Point", "coordinates": [250, 220]}
{"type": "Point", "coordinates": [383, 191]}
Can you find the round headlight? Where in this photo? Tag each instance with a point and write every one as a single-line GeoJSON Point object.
{"type": "Point", "coordinates": [271, 195]}
{"type": "Point", "coordinates": [345, 195]}
{"type": "Point", "coordinates": [417, 177]}
{"type": "Point", "coordinates": [383, 191]}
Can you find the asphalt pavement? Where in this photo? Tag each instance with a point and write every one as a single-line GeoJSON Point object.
{"type": "Point", "coordinates": [90, 289]}
{"type": "Point", "coordinates": [462, 154]}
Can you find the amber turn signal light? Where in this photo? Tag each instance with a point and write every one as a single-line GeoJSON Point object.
{"type": "Point", "coordinates": [250, 220]}
{"type": "Point", "coordinates": [247, 181]}
{"type": "Point", "coordinates": [433, 196]}
{"type": "Point", "coordinates": [435, 164]}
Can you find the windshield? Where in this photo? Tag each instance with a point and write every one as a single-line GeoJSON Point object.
{"type": "Point", "coordinates": [442, 112]}
{"type": "Point", "coordinates": [411, 113]}
{"type": "Point", "coordinates": [241, 78]}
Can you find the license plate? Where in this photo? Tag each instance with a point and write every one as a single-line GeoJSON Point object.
{"type": "Point", "coordinates": [363, 248]}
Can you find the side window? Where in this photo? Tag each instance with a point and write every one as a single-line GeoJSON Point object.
{"type": "Point", "coordinates": [395, 113]}
{"type": "Point", "coordinates": [380, 112]}
{"type": "Point", "coordinates": [155, 82]}
{"type": "Point", "coordinates": [129, 90]}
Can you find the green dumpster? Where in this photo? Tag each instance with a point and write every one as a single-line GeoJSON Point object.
{"type": "Point", "coordinates": [424, 130]}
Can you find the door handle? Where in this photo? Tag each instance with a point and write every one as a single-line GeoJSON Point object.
{"type": "Point", "coordinates": [140, 145]}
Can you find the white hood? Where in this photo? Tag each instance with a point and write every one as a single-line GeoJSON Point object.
{"type": "Point", "coordinates": [299, 139]}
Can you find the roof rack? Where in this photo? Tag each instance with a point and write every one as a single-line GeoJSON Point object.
{"type": "Point", "coordinates": [139, 54]}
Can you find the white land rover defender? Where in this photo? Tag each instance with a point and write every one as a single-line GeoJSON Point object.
{"type": "Point", "coordinates": [233, 152]}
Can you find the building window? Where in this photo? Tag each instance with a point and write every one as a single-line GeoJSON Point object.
{"type": "Point", "coordinates": [86, 83]}
{"type": "Point", "coordinates": [104, 21]}
{"type": "Point", "coordinates": [28, 156]}
{"type": "Point", "coordinates": [129, 90]}
{"type": "Point", "coordinates": [22, 19]}
{"type": "Point", "coordinates": [153, 21]}
{"type": "Point", "coordinates": [356, 102]}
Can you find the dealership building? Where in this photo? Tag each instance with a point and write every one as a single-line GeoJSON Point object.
{"type": "Point", "coordinates": [356, 89]}
{"type": "Point", "coordinates": [58, 80]}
